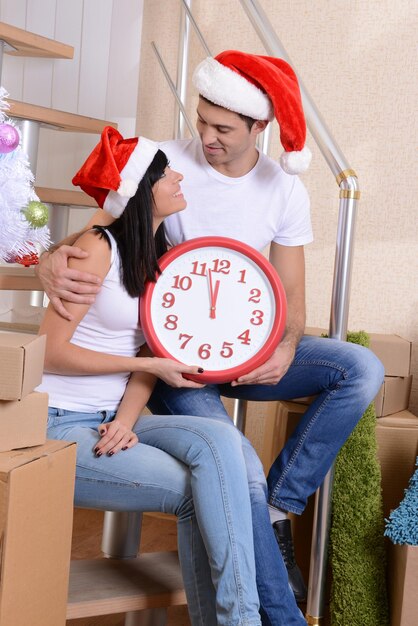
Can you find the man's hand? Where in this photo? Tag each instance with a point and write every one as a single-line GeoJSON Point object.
{"type": "Point", "coordinates": [62, 283]}
{"type": "Point", "coordinates": [272, 370]}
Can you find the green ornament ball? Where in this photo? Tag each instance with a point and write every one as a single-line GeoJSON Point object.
{"type": "Point", "coordinates": [36, 214]}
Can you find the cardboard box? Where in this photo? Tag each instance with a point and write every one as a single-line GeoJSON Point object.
{"type": "Point", "coordinates": [392, 350]}
{"type": "Point", "coordinates": [23, 422]}
{"type": "Point", "coordinates": [403, 585]}
{"type": "Point", "coordinates": [393, 395]}
{"type": "Point", "coordinates": [397, 449]}
{"type": "Point", "coordinates": [36, 512]}
{"type": "Point", "coordinates": [21, 364]}
{"type": "Point", "coordinates": [268, 426]}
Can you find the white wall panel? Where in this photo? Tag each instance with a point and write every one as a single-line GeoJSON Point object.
{"type": "Point", "coordinates": [37, 86]}
{"type": "Point", "coordinates": [97, 21]}
{"type": "Point", "coordinates": [13, 12]}
{"type": "Point", "coordinates": [68, 28]}
{"type": "Point", "coordinates": [123, 71]}
{"type": "Point", "coordinates": [57, 150]}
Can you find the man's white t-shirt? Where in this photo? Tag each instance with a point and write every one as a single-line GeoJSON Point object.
{"type": "Point", "coordinates": [263, 206]}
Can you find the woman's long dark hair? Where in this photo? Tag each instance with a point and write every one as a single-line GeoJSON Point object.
{"type": "Point", "coordinates": [139, 249]}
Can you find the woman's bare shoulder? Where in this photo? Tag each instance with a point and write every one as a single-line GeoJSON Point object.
{"type": "Point", "coordinates": [99, 253]}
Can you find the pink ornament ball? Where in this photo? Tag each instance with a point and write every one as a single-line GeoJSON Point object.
{"type": "Point", "coordinates": [9, 138]}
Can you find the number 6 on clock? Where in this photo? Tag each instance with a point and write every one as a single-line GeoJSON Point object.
{"type": "Point", "coordinates": [217, 303]}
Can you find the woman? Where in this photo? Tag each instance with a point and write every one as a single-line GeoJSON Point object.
{"type": "Point", "coordinates": [99, 379]}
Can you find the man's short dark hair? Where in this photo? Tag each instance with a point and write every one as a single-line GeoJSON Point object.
{"type": "Point", "coordinates": [250, 121]}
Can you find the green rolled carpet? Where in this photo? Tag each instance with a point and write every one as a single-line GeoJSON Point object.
{"type": "Point", "coordinates": [357, 552]}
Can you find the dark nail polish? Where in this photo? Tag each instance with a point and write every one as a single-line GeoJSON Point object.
{"type": "Point", "coordinates": [110, 453]}
{"type": "Point", "coordinates": [200, 370]}
{"type": "Point", "coordinates": [98, 453]}
{"type": "Point", "coordinates": [96, 450]}
{"type": "Point", "coordinates": [125, 448]}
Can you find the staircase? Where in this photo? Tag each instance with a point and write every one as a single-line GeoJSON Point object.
{"type": "Point", "coordinates": [30, 118]}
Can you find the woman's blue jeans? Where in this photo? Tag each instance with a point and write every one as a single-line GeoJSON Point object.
{"type": "Point", "coordinates": [346, 378]}
{"type": "Point", "coordinates": [191, 468]}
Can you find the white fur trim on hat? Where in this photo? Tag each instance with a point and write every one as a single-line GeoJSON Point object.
{"type": "Point", "coordinates": [296, 162]}
{"type": "Point", "coordinates": [228, 89]}
{"type": "Point", "coordinates": [131, 175]}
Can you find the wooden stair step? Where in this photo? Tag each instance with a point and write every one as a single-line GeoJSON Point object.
{"type": "Point", "coordinates": [107, 586]}
{"type": "Point", "coordinates": [31, 45]}
{"type": "Point", "coordinates": [16, 276]}
{"type": "Point", "coordinates": [57, 119]}
{"type": "Point", "coordinates": [67, 197]}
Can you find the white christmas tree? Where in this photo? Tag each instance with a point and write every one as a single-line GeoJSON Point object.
{"type": "Point", "coordinates": [23, 218]}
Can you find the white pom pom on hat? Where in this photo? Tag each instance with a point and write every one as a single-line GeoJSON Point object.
{"type": "Point", "coordinates": [263, 88]}
{"type": "Point", "coordinates": [297, 161]}
{"type": "Point", "coordinates": [114, 169]}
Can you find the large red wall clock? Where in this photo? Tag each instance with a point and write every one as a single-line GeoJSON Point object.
{"type": "Point", "coordinates": [218, 304]}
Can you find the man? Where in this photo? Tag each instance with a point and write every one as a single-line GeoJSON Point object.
{"type": "Point", "coordinates": [233, 190]}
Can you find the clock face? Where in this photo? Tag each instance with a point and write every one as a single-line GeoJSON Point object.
{"type": "Point", "coordinates": [218, 304]}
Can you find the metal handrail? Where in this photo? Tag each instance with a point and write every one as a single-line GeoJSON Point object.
{"type": "Point", "coordinates": [182, 71]}
{"type": "Point", "coordinates": [196, 28]}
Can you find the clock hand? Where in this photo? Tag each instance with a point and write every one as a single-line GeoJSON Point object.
{"type": "Point", "coordinates": [213, 295]}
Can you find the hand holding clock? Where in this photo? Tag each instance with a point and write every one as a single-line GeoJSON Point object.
{"type": "Point", "coordinates": [172, 372]}
{"type": "Point", "coordinates": [273, 370]}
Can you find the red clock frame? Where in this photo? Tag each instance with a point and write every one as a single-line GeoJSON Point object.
{"type": "Point", "coordinates": [279, 323]}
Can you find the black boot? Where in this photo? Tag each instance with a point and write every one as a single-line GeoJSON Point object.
{"type": "Point", "coordinates": [283, 533]}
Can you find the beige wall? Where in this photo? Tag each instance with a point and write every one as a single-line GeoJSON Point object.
{"type": "Point", "coordinates": [358, 61]}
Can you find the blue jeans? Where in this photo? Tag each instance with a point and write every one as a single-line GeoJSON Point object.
{"type": "Point", "coordinates": [193, 469]}
{"type": "Point", "coordinates": [346, 378]}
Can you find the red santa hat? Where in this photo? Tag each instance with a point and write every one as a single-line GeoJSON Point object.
{"type": "Point", "coordinates": [113, 171]}
{"type": "Point", "coordinates": [263, 88]}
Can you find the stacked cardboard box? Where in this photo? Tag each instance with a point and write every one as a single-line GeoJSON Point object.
{"type": "Point", "coordinates": [23, 412]}
{"type": "Point", "coordinates": [403, 577]}
{"type": "Point", "coordinates": [395, 354]}
{"type": "Point", "coordinates": [36, 493]}
{"type": "Point", "coordinates": [36, 514]}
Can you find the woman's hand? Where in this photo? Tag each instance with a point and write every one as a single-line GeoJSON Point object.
{"type": "Point", "coordinates": [115, 436]}
{"type": "Point", "coordinates": [172, 372]}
